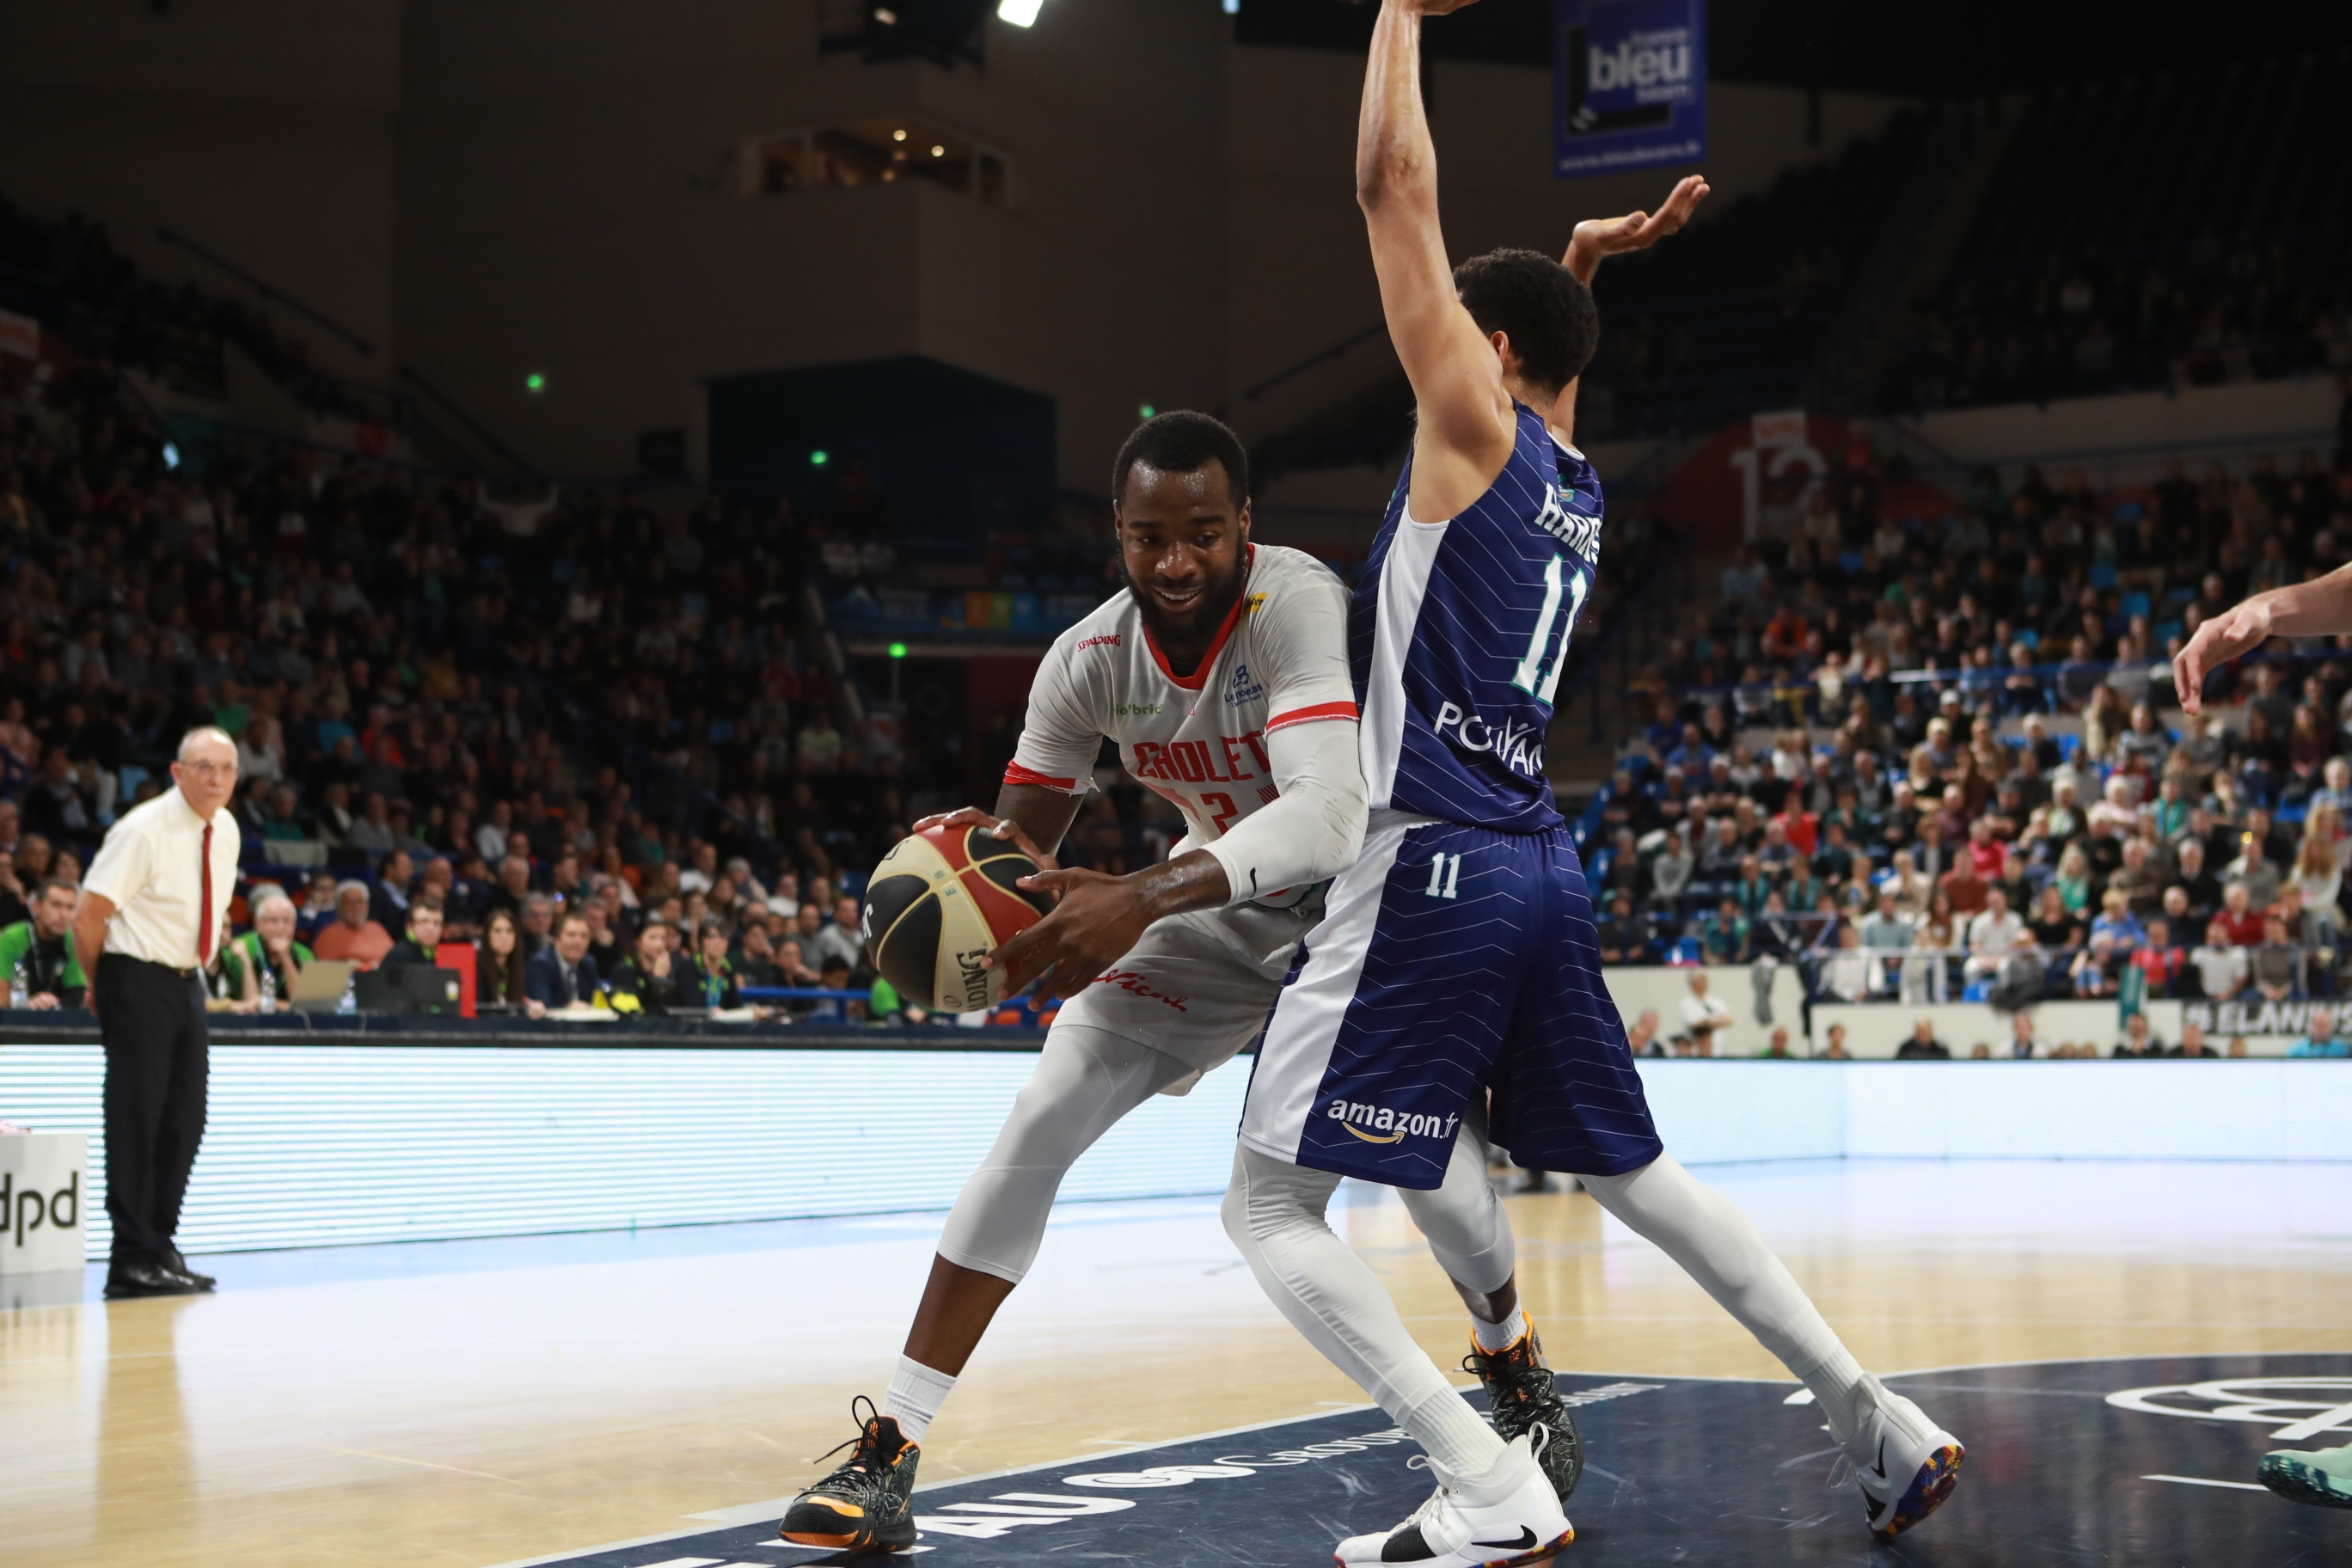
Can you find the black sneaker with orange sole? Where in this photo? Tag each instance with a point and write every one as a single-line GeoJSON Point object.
{"type": "Point", "coordinates": [868, 1504]}
{"type": "Point", "coordinates": [1523, 1394]}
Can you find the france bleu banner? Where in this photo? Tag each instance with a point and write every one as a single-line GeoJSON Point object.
{"type": "Point", "coordinates": [1629, 85]}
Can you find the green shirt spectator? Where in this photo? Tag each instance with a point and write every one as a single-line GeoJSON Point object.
{"type": "Point", "coordinates": [35, 954]}
{"type": "Point", "coordinates": [248, 973]}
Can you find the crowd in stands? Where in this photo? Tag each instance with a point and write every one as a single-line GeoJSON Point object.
{"type": "Point", "coordinates": [2073, 324]}
{"type": "Point", "coordinates": [1929, 759]}
{"type": "Point", "coordinates": [456, 718]}
{"type": "Point", "coordinates": [2123, 246]}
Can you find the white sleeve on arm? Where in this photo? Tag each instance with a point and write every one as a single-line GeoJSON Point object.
{"type": "Point", "coordinates": [1314, 829]}
{"type": "Point", "coordinates": [1059, 736]}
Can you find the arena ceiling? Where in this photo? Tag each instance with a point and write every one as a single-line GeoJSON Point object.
{"type": "Point", "coordinates": [1932, 49]}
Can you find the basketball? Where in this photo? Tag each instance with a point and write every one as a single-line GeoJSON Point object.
{"type": "Point", "coordinates": [939, 903]}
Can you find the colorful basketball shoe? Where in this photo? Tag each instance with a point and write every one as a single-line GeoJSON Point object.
{"type": "Point", "coordinates": [1522, 1392]}
{"type": "Point", "coordinates": [867, 1505]}
{"type": "Point", "coordinates": [1507, 1516]}
{"type": "Point", "coordinates": [2321, 1476]}
{"type": "Point", "coordinates": [1905, 1464]}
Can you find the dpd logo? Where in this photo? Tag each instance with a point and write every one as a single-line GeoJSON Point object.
{"type": "Point", "coordinates": [29, 1209]}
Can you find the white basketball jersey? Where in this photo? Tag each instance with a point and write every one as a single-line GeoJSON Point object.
{"type": "Point", "coordinates": [1280, 658]}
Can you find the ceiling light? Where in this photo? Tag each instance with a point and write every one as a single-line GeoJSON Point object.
{"type": "Point", "coordinates": [897, 136]}
{"type": "Point", "coordinates": [887, 16]}
{"type": "Point", "coordinates": [938, 151]}
{"type": "Point", "coordinates": [1020, 13]}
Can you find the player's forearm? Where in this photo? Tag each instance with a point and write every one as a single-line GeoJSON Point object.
{"type": "Point", "coordinates": [1045, 814]}
{"type": "Point", "coordinates": [2322, 607]}
{"type": "Point", "coordinates": [1583, 259]}
{"type": "Point", "coordinates": [1313, 830]}
{"type": "Point", "coordinates": [1396, 162]}
{"type": "Point", "coordinates": [1194, 880]}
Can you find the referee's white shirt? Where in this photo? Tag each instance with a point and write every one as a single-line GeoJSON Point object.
{"type": "Point", "coordinates": [152, 869]}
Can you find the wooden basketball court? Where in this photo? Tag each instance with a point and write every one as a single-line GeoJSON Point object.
{"type": "Point", "coordinates": [489, 1402]}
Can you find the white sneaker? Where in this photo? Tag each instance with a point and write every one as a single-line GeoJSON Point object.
{"type": "Point", "coordinates": [1508, 1515]}
{"type": "Point", "coordinates": [1905, 1464]}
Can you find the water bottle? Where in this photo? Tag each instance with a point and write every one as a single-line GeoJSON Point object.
{"type": "Point", "coordinates": [20, 992]}
{"type": "Point", "coordinates": [351, 1002]}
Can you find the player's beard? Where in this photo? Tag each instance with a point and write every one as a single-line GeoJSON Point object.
{"type": "Point", "coordinates": [1217, 601]}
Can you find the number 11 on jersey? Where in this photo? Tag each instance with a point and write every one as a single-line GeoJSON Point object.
{"type": "Point", "coordinates": [1559, 582]}
{"type": "Point", "coordinates": [1444, 875]}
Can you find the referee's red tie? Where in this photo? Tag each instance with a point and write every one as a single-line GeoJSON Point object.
{"type": "Point", "coordinates": [204, 915]}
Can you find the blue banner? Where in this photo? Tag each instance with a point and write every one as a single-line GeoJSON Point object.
{"type": "Point", "coordinates": [1629, 85]}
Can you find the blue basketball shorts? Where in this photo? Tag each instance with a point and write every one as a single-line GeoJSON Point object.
{"type": "Point", "coordinates": [1452, 961]}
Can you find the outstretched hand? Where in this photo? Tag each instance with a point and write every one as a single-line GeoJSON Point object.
{"type": "Point", "coordinates": [1597, 237]}
{"type": "Point", "coordinates": [2216, 643]}
{"type": "Point", "coordinates": [1097, 920]}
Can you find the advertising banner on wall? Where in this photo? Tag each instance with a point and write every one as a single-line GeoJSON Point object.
{"type": "Point", "coordinates": [1629, 85]}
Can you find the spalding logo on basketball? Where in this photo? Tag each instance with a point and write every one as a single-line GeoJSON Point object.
{"type": "Point", "coordinates": [939, 903]}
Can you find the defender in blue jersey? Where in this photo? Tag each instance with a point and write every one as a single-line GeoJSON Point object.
{"type": "Point", "coordinates": [1456, 974]}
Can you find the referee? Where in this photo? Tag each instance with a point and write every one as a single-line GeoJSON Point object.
{"type": "Point", "coordinates": [154, 906]}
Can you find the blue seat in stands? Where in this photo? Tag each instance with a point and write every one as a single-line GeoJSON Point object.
{"type": "Point", "coordinates": [2068, 745]}
{"type": "Point", "coordinates": [2135, 601]}
{"type": "Point", "coordinates": [2102, 576]}
{"type": "Point", "coordinates": [1687, 950]}
{"type": "Point", "coordinates": [1976, 991]}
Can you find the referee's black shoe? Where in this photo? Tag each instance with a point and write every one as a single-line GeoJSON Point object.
{"type": "Point", "coordinates": [867, 1505]}
{"type": "Point", "coordinates": [1522, 1393]}
{"type": "Point", "coordinates": [128, 1279]}
{"type": "Point", "coordinates": [180, 1266]}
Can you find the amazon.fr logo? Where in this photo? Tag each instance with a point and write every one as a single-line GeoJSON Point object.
{"type": "Point", "coordinates": [1376, 1124]}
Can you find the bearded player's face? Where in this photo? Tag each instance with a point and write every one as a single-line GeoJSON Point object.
{"type": "Point", "coordinates": [1182, 544]}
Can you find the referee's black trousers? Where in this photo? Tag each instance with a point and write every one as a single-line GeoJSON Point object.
{"type": "Point", "coordinates": [152, 1019]}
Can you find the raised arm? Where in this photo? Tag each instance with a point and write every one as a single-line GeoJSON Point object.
{"type": "Point", "coordinates": [2321, 607]}
{"type": "Point", "coordinates": [1465, 431]}
{"type": "Point", "coordinates": [1598, 238]}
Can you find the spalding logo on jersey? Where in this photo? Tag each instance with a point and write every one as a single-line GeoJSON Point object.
{"type": "Point", "coordinates": [1246, 687]}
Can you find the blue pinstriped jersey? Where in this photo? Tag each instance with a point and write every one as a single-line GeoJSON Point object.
{"type": "Point", "coordinates": [1458, 633]}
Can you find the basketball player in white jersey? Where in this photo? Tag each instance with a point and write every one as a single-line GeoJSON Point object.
{"type": "Point", "coordinates": [1458, 956]}
{"type": "Point", "coordinates": [1222, 677]}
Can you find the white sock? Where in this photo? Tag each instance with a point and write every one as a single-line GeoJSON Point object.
{"type": "Point", "coordinates": [1453, 1435]}
{"type": "Point", "coordinates": [915, 1397]}
{"type": "Point", "coordinates": [1835, 1382]}
{"type": "Point", "coordinates": [1502, 1336]}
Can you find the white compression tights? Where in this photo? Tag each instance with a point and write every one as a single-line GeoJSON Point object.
{"type": "Point", "coordinates": [1274, 1213]}
{"type": "Point", "coordinates": [1718, 1246]}
{"type": "Point", "coordinates": [1085, 1080]}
